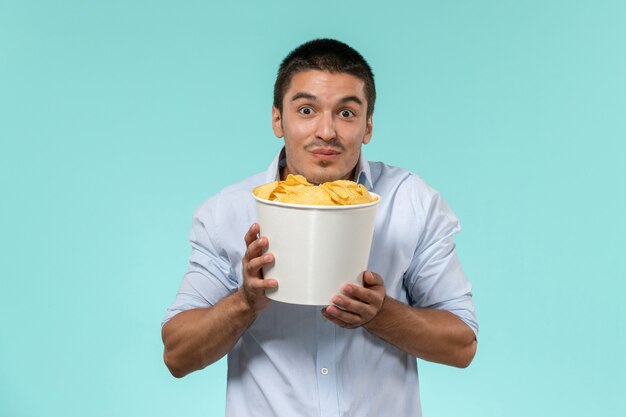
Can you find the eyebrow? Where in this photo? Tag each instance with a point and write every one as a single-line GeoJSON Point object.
{"type": "Point", "coordinates": [309, 96]}
{"type": "Point", "coordinates": [304, 95]}
{"type": "Point", "coordinates": [351, 98]}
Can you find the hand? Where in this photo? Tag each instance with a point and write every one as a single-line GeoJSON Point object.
{"type": "Point", "coordinates": [253, 261]}
{"type": "Point", "coordinates": [357, 305]}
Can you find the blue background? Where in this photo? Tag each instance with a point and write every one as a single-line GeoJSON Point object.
{"type": "Point", "coordinates": [118, 118]}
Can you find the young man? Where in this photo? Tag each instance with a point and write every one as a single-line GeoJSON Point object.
{"type": "Point", "coordinates": [357, 355]}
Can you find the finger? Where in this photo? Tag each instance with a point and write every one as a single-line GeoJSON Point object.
{"type": "Point", "coordinates": [254, 265]}
{"type": "Point", "coordinates": [365, 295]}
{"type": "Point", "coordinates": [252, 234]}
{"type": "Point", "coordinates": [353, 306]}
{"type": "Point", "coordinates": [256, 248]}
{"type": "Point", "coordinates": [335, 320]}
{"type": "Point", "coordinates": [262, 284]}
{"type": "Point", "coordinates": [342, 317]}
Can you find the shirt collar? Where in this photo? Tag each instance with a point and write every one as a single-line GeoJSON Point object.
{"type": "Point", "coordinates": [273, 172]}
{"type": "Point", "coordinates": [363, 172]}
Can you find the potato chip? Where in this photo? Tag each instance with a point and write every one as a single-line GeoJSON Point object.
{"type": "Point", "coordinates": [295, 189]}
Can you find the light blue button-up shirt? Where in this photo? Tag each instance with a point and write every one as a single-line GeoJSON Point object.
{"type": "Point", "coordinates": [293, 362]}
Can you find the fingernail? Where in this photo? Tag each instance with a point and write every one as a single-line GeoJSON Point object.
{"type": "Point", "coordinates": [267, 258]}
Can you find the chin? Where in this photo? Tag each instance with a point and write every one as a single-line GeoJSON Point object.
{"type": "Point", "coordinates": [322, 177]}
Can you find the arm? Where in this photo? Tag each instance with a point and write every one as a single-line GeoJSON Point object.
{"type": "Point", "coordinates": [197, 338]}
{"type": "Point", "coordinates": [429, 334]}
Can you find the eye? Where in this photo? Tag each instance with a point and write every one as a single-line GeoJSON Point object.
{"type": "Point", "coordinates": [347, 113]}
{"type": "Point", "coordinates": [307, 111]}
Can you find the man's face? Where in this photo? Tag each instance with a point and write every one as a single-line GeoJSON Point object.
{"type": "Point", "coordinates": [324, 122]}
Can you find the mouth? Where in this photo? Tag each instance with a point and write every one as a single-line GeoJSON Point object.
{"type": "Point", "coordinates": [325, 154]}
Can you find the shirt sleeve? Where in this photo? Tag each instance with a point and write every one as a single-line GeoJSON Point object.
{"type": "Point", "coordinates": [210, 276]}
{"type": "Point", "coordinates": [435, 278]}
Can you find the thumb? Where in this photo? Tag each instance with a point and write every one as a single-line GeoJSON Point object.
{"type": "Point", "coordinates": [372, 278]}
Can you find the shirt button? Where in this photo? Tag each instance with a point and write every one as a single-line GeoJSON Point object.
{"type": "Point", "coordinates": [324, 371]}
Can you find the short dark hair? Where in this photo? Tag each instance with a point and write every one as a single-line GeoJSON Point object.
{"type": "Point", "coordinates": [324, 55]}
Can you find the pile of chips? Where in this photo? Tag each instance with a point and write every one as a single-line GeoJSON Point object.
{"type": "Point", "coordinates": [295, 189]}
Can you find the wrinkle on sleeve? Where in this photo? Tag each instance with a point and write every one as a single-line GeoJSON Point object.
{"type": "Point", "coordinates": [210, 276]}
{"type": "Point", "coordinates": [435, 278]}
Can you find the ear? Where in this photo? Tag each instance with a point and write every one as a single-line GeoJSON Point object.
{"type": "Point", "coordinates": [277, 122]}
{"type": "Point", "coordinates": [368, 131]}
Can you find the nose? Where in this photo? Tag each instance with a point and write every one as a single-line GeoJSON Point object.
{"type": "Point", "coordinates": [326, 127]}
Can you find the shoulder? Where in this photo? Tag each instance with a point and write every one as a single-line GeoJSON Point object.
{"type": "Point", "coordinates": [389, 179]}
{"type": "Point", "coordinates": [407, 192]}
{"type": "Point", "coordinates": [230, 200]}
